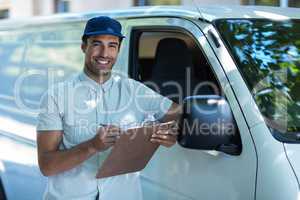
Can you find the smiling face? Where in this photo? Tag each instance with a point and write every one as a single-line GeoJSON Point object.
{"type": "Point", "coordinates": [101, 53]}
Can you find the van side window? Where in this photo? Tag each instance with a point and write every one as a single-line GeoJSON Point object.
{"type": "Point", "coordinates": [52, 55]}
{"type": "Point", "coordinates": [12, 53]}
{"type": "Point", "coordinates": [171, 63]}
{"type": "Point", "coordinates": [32, 59]}
{"type": "Point", "coordinates": [12, 47]}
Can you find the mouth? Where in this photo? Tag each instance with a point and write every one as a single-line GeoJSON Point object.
{"type": "Point", "coordinates": [102, 64]}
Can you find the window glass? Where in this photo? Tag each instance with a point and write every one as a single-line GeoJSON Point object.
{"type": "Point", "coordinates": [32, 59]}
{"type": "Point", "coordinates": [4, 14]}
{"type": "Point", "coordinates": [267, 2]}
{"type": "Point", "coordinates": [162, 2]}
{"type": "Point", "coordinates": [54, 54]}
{"type": "Point", "coordinates": [173, 65]}
{"type": "Point", "coordinates": [62, 6]}
{"type": "Point", "coordinates": [268, 55]}
{"type": "Point", "coordinates": [261, 2]}
{"type": "Point", "coordinates": [12, 47]}
{"type": "Point", "coordinates": [294, 3]}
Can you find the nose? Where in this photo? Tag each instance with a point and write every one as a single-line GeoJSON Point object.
{"type": "Point", "coordinates": [104, 51]}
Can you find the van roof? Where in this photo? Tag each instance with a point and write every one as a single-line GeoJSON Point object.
{"type": "Point", "coordinates": [208, 13]}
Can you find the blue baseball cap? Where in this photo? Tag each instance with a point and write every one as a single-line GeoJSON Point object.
{"type": "Point", "coordinates": [103, 25]}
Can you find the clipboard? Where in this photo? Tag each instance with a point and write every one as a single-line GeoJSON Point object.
{"type": "Point", "coordinates": [131, 153]}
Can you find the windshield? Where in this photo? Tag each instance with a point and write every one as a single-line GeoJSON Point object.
{"type": "Point", "coordinates": [267, 54]}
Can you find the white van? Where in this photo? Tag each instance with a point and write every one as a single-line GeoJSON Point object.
{"type": "Point", "coordinates": [239, 68]}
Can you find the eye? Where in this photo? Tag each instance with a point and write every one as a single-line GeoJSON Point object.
{"type": "Point", "coordinates": [96, 43]}
{"type": "Point", "coordinates": [113, 46]}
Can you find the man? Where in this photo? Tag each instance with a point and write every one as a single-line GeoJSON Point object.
{"type": "Point", "coordinates": [71, 146]}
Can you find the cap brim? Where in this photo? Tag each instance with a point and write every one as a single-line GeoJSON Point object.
{"type": "Point", "coordinates": [104, 33]}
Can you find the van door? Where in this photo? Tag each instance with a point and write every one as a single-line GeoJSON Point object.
{"type": "Point", "coordinates": [32, 58]}
{"type": "Point", "coordinates": [179, 173]}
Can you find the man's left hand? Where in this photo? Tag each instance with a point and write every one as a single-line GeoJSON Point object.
{"type": "Point", "coordinates": [166, 136]}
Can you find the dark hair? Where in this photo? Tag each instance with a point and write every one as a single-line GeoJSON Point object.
{"type": "Point", "coordinates": [84, 39]}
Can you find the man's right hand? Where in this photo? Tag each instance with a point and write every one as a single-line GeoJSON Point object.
{"type": "Point", "coordinates": [53, 161]}
{"type": "Point", "coordinates": [106, 137]}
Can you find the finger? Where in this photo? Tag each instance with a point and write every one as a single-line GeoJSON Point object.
{"type": "Point", "coordinates": [111, 137]}
{"type": "Point", "coordinates": [108, 128]}
{"type": "Point", "coordinates": [166, 143]}
{"type": "Point", "coordinates": [101, 130]}
{"type": "Point", "coordinates": [167, 132]}
{"type": "Point", "coordinates": [113, 134]}
{"type": "Point", "coordinates": [165, 137]}
{"type": "Point", "coordinates": [104, 136]}
{"type": "Point", "coordinates": [176, 127]}
{"type": "Point", "coordinates": [174, 132]}
{"type": "Point", "coordinates": [110, 144]}
{"type": "Point", "coordinates": [162, 142]}
{"type": "Point", "coordinates": [115, 129]}
{"type": "Point", "coordinates": [160, 136]}
{"type": "Point", "coordinates": [163, 127]}
{"type": "Point", "coordinates": [161, 132]}
{"type": "Point", "coordinates": [168, 125]}
{"type": "Point", "coordinates": [109, 140]}
{"type": "Point", "coordinates": [157, 141]}
{"type": "Point", "coordinates": [117, 136]}
{"type": "Point", "coordinates": [112, 127]}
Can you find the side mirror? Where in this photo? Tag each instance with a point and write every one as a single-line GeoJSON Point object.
{"type": "Point", "coordinates": [207, 123]}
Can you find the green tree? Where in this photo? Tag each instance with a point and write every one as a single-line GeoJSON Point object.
{"type": "Point", "coordinates": [163, 2]}
{"type": "Point", "coordinates": [267, 2]}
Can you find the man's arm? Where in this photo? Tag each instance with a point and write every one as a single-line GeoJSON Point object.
{"type": "Point", "coordinates": [168, 137]}
{"type": "Point", "coordinates": [173, 114]}
{"type": "Point", "coordinates": [53, 161]}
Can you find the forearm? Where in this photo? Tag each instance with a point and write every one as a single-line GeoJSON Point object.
{"type": "Point", "coordinates": [55, 162]}
{"type": "Point", "coordinates": [173, 114]}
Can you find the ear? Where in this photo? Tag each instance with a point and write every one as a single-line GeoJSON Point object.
{"type": "Point", "coordinates": [120, 43]}
{"type": "Point", "coordinates": [83, 47]}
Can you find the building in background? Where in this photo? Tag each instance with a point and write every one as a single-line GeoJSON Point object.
{"type": "Point", "coordinates": [28, 8]}
{"type": "Point", "coordinates": [4, 8]}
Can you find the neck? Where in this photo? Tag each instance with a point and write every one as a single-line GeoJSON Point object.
{"type": "Point", "coordinates": [101, 78]}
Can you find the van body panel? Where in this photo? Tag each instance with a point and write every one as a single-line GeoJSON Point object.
{"type": "Point", "coordinates": [20, 67]}
{"type": "Point", "coordinates": [275, 177]}
{"type": "Point", "coordinates": [211, 13]}
{"type": "Point", "coordinates": [261, 172]}
{"type": "Point", "coordinates": [293, 152]}
{"type": "Point", "coordinates": [260, 133]}
{"type": "Point", "coordinates": [19, 172]}
{"type": "Point", "coordinates": [193, 174]}
{"type": "Point", "coordinates": [196, 11]}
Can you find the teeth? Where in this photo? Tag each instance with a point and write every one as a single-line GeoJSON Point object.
{"type": "Point", "coordinates": [102, 62]}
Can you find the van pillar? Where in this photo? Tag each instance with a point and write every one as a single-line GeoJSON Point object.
{"type": "Point", "coordinates": [284, 3]}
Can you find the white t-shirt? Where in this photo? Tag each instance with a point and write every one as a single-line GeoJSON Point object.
{"type": "Point", "coordinates": [78, 106]}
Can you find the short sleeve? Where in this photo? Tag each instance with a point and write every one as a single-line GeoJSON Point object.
{"type": "Point", "coordinates": [49, 117]}
{"type": "Point", "coordinates": [151, 102]}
